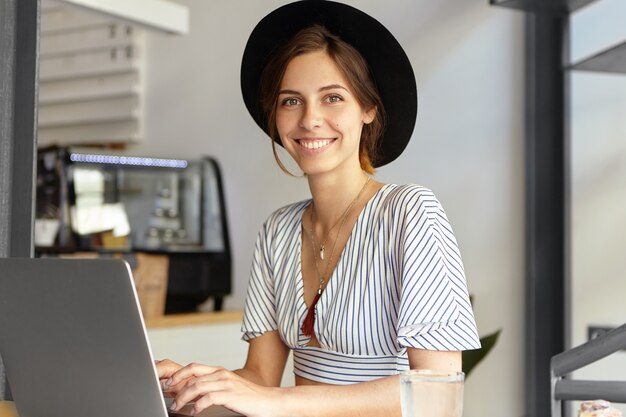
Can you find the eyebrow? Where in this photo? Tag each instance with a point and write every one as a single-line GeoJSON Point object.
{"type": "Point", "coordinates": [325, 88]}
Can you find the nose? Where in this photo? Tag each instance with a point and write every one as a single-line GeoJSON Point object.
{"type": "Point", "coordinates": [311, 117]}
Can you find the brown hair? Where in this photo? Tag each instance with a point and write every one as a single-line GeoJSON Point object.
{"type": "Point", "coordinates": [350, 62]}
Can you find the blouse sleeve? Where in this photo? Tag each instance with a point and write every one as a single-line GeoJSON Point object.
{"type": "Point", "coordinates": [435, 312]}
{"type": "Point", "coordinates": [260, 309]}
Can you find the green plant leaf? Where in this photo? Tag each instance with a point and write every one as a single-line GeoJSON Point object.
{"type": "Point", "coordinates": [471, 358]}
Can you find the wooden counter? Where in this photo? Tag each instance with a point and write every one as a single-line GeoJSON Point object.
{"type": "Point", "coordinates": [7, 409]}
{"type": "Point", "coordinates": [189, 319]}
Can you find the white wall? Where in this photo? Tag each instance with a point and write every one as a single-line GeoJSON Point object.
{"type": "Point", "coordinates": [467, 146]}
{"type": "Point", "coordinates": [211, 344]}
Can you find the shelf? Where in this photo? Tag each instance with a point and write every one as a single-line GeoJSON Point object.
{"type": "Point", "coordinates": [89, 112]}
{"type": "Point", "coordinates": [163, 15]}
{"type": "Point", "coordinates": [103, 133]}
{"type": "Point", "coordinates": [549, 6]}
{"type": "Point", "coordinates": [87, 40]}
{"type": "Point", "coordinates": [609, 60]}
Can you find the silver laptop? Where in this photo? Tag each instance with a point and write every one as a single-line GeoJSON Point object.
{"type": "Point", "coordinates": [73, 340]}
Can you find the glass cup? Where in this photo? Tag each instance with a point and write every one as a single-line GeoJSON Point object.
{"type": "Point", "coordinates": [427, 393]}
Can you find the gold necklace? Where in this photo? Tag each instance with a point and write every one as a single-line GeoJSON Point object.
{"type": "Point", "coordinates": [322, 277]}
{"type": "Point", "coordinates": [309, 320]}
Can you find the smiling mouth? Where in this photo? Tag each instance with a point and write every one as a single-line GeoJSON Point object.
{"type": "Point", "coordinates": [315, 143]}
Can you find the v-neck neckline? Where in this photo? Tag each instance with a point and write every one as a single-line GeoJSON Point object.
{"type": "Point", "coordinates": [302, 308]}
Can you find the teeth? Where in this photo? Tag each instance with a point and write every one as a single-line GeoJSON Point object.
{"type": "Point", "coordinates": [315, 144]}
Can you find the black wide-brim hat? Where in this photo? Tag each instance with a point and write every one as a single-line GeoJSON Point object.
{"type": "Point", "coordinates": [388, 63]}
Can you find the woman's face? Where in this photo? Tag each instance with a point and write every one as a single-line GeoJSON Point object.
{"type": "Point", "coordinates": [318, 118]}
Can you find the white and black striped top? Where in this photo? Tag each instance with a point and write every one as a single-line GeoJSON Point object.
{"type": "Point", "coordinates": [399, 283]}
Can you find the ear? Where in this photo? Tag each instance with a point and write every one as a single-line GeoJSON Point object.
{"type": "Point", "coordinates": [369, 115]}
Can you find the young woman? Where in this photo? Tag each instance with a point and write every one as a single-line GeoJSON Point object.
{"type": "Point", "coordinates": [363, 280]}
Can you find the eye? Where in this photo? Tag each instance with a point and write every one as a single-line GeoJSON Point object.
{"type": "Point", "coordinates": [290, 101]}
{"type": "Point", "coordinates": [334, 98]}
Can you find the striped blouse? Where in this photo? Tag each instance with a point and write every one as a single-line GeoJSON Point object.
{"type": "Point", "coordinates": [399, 283]}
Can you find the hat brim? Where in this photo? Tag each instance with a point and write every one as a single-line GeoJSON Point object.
{"type": "Point", "coordinates": [389, 64]}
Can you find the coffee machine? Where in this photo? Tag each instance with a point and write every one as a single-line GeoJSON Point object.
{"type": "Point", "coordinates": [111, 203]}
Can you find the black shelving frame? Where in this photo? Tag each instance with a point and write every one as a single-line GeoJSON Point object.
{"type": "Point", "coordinates": [559, 7]}
{"type": "Point", "coordinates": [563, 364]}
{"type": "Point", "coordinates": [611, 60]}
{"type": "Point", "coordinates": [547, 189]}
{"type": "Point", "coordinates": [548, 173]}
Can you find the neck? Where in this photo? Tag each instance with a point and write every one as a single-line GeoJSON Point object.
{"type": "Point", "coordinates": [332, 194]}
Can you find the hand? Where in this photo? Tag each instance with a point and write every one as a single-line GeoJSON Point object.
{"type": "Point", "coordinates": [210, 385]}
{"type": "Point", "coordinates": [165, 369]}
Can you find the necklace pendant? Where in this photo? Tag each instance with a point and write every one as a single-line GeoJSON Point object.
{"type": "Point", "coordinates": [322, 252]}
